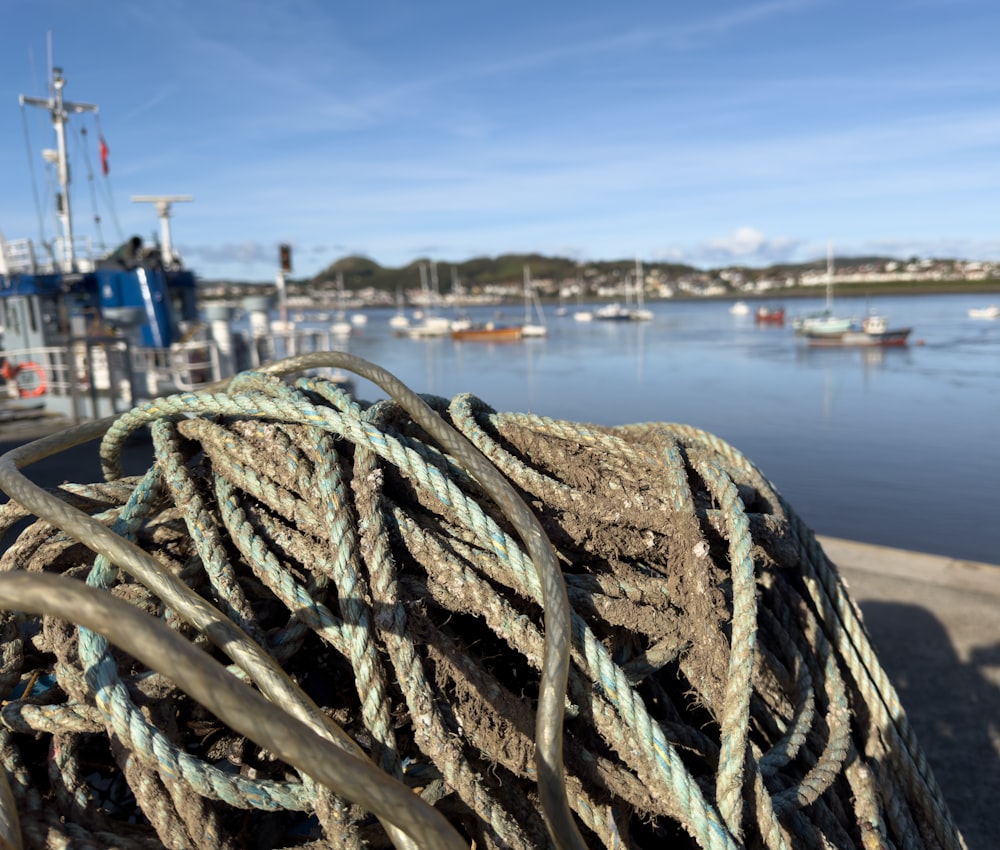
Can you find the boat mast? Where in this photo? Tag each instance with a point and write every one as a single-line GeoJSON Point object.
{"type": "Point", "coordinates": [60, 110]}
{"type": "Point", "coordinates": [526, 274]}
{"type": "Point", "coordinates": [829, 275]}
{"type": "Point", "coordinates": [640, 284]}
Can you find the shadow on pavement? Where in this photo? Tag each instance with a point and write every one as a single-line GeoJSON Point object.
{"type": "Point", "coordinates": [953, 707]}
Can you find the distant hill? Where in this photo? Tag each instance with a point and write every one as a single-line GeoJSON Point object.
{"type": "Point", "coordinates": [480, 272]}
{"type": "Point", "coordinates": [505, 271]}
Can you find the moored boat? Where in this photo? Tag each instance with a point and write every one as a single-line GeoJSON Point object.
{"type": "Point", "coordinates": [825, 320]}
{"type": "Point", "coordinates": [873, 331]}
{"type": "Point", "coordinates": [770, 315]}
{"type": "Point", "coordinates": [488, 332]}
{"type": "Point", "coordinates": [534, 315]}
{"type": "Point", "coordinates": [991, 312]}
{"type": "Point", "coordinates": [618, 312]}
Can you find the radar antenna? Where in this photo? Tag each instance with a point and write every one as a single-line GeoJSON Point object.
{"type": "Point", "coordinates": [163, 203]}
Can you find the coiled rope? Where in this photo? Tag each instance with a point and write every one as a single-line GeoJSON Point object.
{"type": "Point", "coordinates": [316, 621]}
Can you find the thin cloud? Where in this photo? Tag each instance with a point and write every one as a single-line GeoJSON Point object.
{"type": "Point", "coordinates": [746, 245]}
{"type": "Point", "coordinates": [245, 253]}
{"type": "Point", "coordinates": [165, 93]}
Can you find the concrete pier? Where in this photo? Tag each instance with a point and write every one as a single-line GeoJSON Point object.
{"type": "Point", "coordinates": [935, 625]}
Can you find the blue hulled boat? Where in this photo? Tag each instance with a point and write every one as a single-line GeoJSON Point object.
{"type": "Point", "coordinates": [89, 333]}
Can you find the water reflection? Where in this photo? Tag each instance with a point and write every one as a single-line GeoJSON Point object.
{"type": "Point", "coordinates": [872, 357]}
{"type": "Point", "coordinates": [861, 415]}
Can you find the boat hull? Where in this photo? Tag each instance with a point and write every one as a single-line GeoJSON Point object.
{"type": "Point", "coordinates": [860, 339]}
{"type": "Point", "coordinates": [991, 312]}
{"type": "Point", "coordinates": [770, 316]}
{"type": "Point", "coordinates": [503, 334]}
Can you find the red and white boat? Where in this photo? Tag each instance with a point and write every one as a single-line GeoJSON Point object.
{"type": "Point", "coordinates": [768, 315]}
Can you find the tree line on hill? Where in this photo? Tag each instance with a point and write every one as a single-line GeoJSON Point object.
{"type": "Point", "coordinates": [506, 270]}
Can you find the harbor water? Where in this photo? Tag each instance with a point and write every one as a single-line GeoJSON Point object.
{"type": "Point", "coordinates": [897, 447]}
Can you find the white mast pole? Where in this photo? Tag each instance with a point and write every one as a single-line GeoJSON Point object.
{"type": "Point", "coordinates": [59, 110]}
{"type": "Point", "coordinates": [829, 274]}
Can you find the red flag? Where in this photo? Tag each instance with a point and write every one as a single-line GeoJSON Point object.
{"type": "Point", "coordinates": [104, 156]}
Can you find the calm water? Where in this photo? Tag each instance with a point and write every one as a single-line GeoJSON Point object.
{"type": "Point", "coordinates": [895, 447]}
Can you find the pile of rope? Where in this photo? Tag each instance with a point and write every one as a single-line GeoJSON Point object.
{"type": "Point", "coordinates": [419, 622]}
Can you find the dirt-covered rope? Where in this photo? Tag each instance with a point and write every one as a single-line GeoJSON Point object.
{"type": "Point", "coordinates": [469, 628]}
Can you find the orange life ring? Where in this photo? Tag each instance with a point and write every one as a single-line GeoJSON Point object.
{"type": "Point", "coordinates": [40, 384]}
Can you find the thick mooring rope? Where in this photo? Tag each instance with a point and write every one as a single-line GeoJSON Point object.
{"type": "Point", "coordinates": [419, 622]}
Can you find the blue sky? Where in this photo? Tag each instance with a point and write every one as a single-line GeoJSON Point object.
{"type": "Point", "coordinates": [706, 133]}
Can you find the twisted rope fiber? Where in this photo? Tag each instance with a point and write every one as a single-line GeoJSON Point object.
{"type": "Point", "coordinates": [659, 600]}
{"type": "Point", "coordinates": [837, 609]}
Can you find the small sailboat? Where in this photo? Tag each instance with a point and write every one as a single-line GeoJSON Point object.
{"type": "Point", "coordinates": [429, 324]}
{"type": "Point", "coordinates": [341, 325]}
{"type": "Point", "coordinates": [534, 315]}
{"type": "Point", "coordinates": [618, 312]}
{"type": "Point", "coordinates": [399, 320]}
{"type": "Point", "coordinates": [640, 313]}
{"type": "Point", "coordinates": [825, 321]}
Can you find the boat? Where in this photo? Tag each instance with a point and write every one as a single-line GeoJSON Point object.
{"type": "Point", "coordinates": [739, 308]}
{"type": "Point", "coordinates": [991, 312]}
{"type": "Point", "coordinates": [399, 320]}
{"type": "Point", "coordinates": [873, 331]}
{"type": "Point", "coordinates": [90, 332]}
{"type": "Point", "coordinates": [618, 312]}
{"type": "Point", "coordinates": [534, 316]}
{"type": "Point", "coordinates": [825, 320]}
{"type": "Point", "coordinates": [640, 313]}
{"type": "Point", "coordinates": [613, 312]}
{"type": "Point", "coordinates": [488, 332]}
{"type": "Point", "coordinates": [770, 315]}
{"type": "Point", "coordinates": [428, 324]}
{"type": "Point", "coordinates": [342, 326]}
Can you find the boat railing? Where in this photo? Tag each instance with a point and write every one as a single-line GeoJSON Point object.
{"type": "Point", "coordinates": [94, 376]}
{"type": "Point", "coordinates": [51, 360]}
{"type": "Point", "coordinates": [88, 377]}
{"type": "Point", "coordinates": [291, 342]}
{"type": "Point", "coordinates": [19, 256]}
{"type": "Point", "coordinates": [183, 366]}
